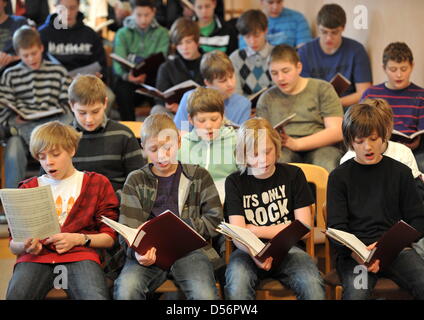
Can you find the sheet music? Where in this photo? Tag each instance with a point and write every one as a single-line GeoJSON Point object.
{"type": "Point", "coordinates": [30, 213]}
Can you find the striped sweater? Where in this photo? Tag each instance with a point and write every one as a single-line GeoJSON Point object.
{"type": "Point", "coordinates": [111, 150]}
{"type": "Point", "coordinates": [198, 202]}
{"type": "Point", "coordinates": [407, 105]}
{"type": "Point", "coordinates": [31, 91]}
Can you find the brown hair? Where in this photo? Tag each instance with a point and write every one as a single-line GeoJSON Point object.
{"type": "Point", "coordinates": [215, 65]}
{"type": "Point", "coordinates": [250, 134]}
{"type": "Point", "coordinates": [252, 21]}
{"type": "Point", "coordinates": [363, 119]}
{"type": "Point", "coordinates": [87, 90]}
{"type": "Point", "coordinates": [398, 52]}
{"type": "Point", "coordinates": [53, 134]}
{"type": "Point", "coordinates": [182, 28]}
{"type": "Point", "coordinates": [26, 37]}
{"type": "Point", "coordinates": [284, 52]}
{"type": "Point", "coordinates": [331, 16]}
{"type": "Point", "coordinates": [142, 3]}
{"type": "Point", "coordinates": [205, 100]}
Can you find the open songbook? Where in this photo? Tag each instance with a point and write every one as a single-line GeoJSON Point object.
{"type": "Point", "coordinates": [280, 125]}
{"type": "Point", "coordinates": [171, 236]}
{"type": "Point", "coordinates": [30, 213]}
{"type": "Point", "coordinates": [148, 66]}
{"type": "Point", "coordinates": [276, 248]}
{"type": "Point", "coordinates": [27, 114]}
{"type": "Point", "coordinates": [340, 83]}
{"type": "Point", "coordinates": [171, 95]}
{"type": "Point", "coordinates": [393, 241]}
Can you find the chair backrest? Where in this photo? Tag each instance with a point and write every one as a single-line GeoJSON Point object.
{"type": "Point", "coordinates": [318, 176]}
{"type": "Point", "coordinates": [135, 127]}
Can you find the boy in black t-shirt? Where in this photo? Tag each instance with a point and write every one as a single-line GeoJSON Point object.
{"type": "Point", "coordinates": [366, 195]}
{"type": "Point", "coordinates": [264, 198]}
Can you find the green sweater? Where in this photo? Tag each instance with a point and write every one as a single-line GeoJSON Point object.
{"type": "Point", "coordinates": [216, 156]}
{"type": "Point", "coordinates": [130, 39]}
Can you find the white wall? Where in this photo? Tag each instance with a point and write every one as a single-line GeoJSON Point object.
{"type": "Point", "coordinates": [388, 21]}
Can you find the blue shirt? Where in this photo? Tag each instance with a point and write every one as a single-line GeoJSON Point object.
{"type": "Point", "coordinates": [237, 110]}
{"type": "Point", "coordinates": [351, 60]}
{"type": "Point", "coordinates": [290, 27]}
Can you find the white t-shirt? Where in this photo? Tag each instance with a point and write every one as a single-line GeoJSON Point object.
{"type": "Point", "coordinates": [397, 151]}
{"type": "Point", "coordinates": [65, 192]}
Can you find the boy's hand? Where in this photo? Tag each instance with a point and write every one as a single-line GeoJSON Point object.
{"type": "Point", "coordinates": [290, 143]}
{"type": "Point", "coordinates": [374, 266]}
{"type": "Point", "coordinates": [65, 241]}
{"type": "Point", "coordinates": [148, 258]}
{"type": "Point", "coordinates": [33, 246]}
{"type": "Point", "coordinates": [137, 80]}
{"type": "Point", "coordinates": [266, 265]}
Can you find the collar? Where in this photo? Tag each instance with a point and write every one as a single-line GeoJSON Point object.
{"type": "Point", "coordinates": [264, 53]}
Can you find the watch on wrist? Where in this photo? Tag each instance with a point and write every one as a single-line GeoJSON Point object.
{"type": "Point", "coordinates": [87, 240]}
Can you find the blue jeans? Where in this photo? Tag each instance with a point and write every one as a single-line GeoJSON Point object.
{"type": "Point", "coordinates": [407, 270]}
{"type": "Point", "coordinates": [17, 147]}
{"type": "Point", "coordinates": [327, 157]}
{"type": "Point", "coordinates": [82, 280]}
{"type": "Point", "coordinates": [193, 273]}
{"type": "Point", "coordinates": [297, 271]}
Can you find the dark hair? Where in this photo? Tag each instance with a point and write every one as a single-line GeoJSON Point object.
{"type": "Point", "coordinates": [143, 3]}
{"type": "Point", "coordinates": [252, 21]}
{"type": "Point", "coordinates": [182, 28]}
{"type": "Point", "coordinates": [362, 120]}
{"type": "Point", "coordinates": [398, 52]}
{"type": "Point", "coordinates": [331, 16]}
{"type": "Point", "coordinates": [284, 52]}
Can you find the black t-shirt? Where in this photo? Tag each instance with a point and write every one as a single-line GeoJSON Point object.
{"type": "Point", "coordinates": [167, 193]}
{"type": "Point", "coordinates": [367, 200]}
{"type": "Point", "coordinates": [271, 201]}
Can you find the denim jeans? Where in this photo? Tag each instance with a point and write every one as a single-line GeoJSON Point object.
{"type": "Point", "coordinates": [297, 271]}
{"type": "Point", "coordinates": [407, 270]}
{"type": "Point", "coordinates": [17, 147]}
{"type": "Point", "coordinates": [193, 273]}
{"type": "Point", "coordinates": [82, 280]}
{"type": "Point", "coordinates": [327, 157]}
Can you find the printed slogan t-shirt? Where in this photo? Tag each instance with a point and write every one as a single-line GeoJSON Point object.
{"type": "Point", "coordinates": [266, 202]}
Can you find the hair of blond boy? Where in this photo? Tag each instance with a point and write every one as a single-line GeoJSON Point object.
{"type": "Point", "coordinates": [52, 135]}
{"type": "Point", "coordinates": [331, 16]}
{"type": "Point", "coordinates": [362, 120]}
{"type": "Point", "coordinates": [397, 52]}
{"type": "Point", "coordinates": [387, 112]}
{"type": "Point", "coordinates": [251, 134]}
{"type": "Point", "coordinates": [252, 21]}
{"type": "Point", "coordinates": [205, 100]}
{"type": "Point", "coordinates": [158, 125]}
{"type": "Point", "coordinates": [26, 37]}
{"type": "Point", "coordinates": [215, 65]}
{"type": "Point", "coordinates": [87, 90]}
{"type": "Point", "coordinates": [182, 28]}
{"type": "Point", "coordinates": [284, 52]}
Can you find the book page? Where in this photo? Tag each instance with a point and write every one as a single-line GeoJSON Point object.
{"type": "Point", "coordinates": [243, 235]}
{"type": "Point", "coordinates": [283, 122]}
{"type": "Point", "coordinates": [350, 241]}
{"type": "Point", "coordinates": [30, 213]}
{"type": "Point", "coordinates": [36, 114]}
{"type": "Point", "coordinates": [182, 85]}
{"type": "Point", "coordinates": [128, 233]}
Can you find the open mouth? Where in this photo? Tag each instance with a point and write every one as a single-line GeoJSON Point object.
{"type": "Point", "coordinates": [369, 156]}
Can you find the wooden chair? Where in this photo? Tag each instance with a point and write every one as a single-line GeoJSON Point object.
{"type": "Point", "coordinates": [385, 288]}
{"type": "Point", "coordinates": [271, 289]}
{"type": "Point", "coordinates": [2, 172]}
{"type": "Point", "coordinates": [318, 176]}
{"type": "Point", "coordinates": [135, 127]}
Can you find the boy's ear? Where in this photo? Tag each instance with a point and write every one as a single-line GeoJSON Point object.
{"type": "Point", "coordinates": [190, 119]}
{"type": "Point", "coordinates": [207, 83]}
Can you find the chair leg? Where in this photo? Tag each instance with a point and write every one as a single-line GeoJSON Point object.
{"type": "Point", "coordinates": [339, 291]}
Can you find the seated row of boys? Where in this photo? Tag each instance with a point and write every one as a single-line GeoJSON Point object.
{"type": "Point", "coordinates": [188, 190]}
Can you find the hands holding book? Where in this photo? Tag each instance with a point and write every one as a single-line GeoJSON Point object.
{"type": "Point", "coordinates": [148, 258]}
{"type": "Point", "coordinates": [137, 79]}
{"type": "Point", "coordinates": [374, 265]}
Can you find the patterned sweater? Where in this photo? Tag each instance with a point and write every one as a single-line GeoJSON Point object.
{"type": "Point", "coordinates": [31, 91]}
{"type": "Point", "coordinates": [198, 202]}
